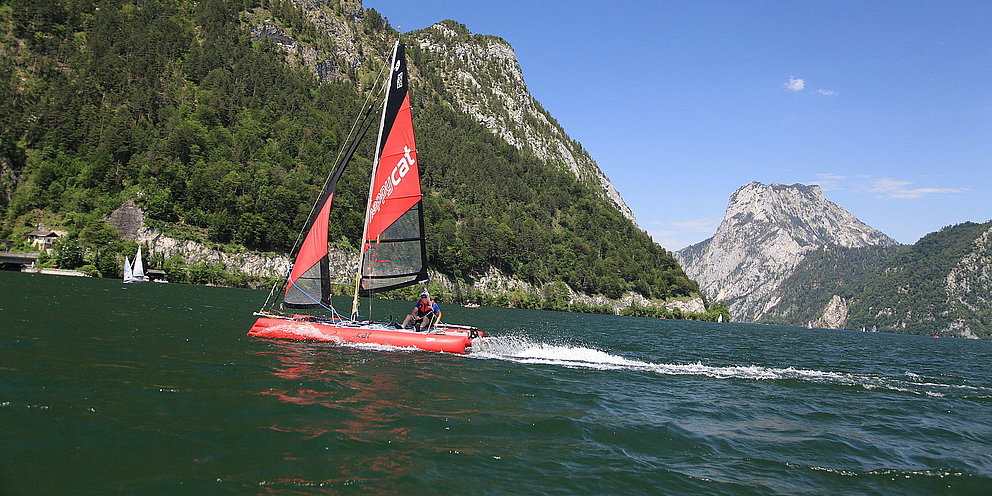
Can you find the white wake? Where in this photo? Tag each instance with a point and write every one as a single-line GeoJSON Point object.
{"type": "Point", "coordinates": [524, 350]}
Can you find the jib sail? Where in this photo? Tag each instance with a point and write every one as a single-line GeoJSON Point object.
{"type": "Point", "coordinates": [309, 284]}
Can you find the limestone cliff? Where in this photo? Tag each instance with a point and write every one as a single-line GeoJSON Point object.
{"type": "Point", "coordinates": [481, 76]}
{"type": "Point", "coordinates": [835, 314]}
{"type": "Point", "coordinates": [766, 232]}
{"type": "Point", "coordinates": [969, 290]}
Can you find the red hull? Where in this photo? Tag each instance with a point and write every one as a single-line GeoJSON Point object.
{"type": "Point", "coordinates": [452, 341]}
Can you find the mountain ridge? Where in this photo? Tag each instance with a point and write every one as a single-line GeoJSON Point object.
{"type": "Point", "coordinates": [503, 104]}
{"type": "Point", "coordinates": [766, 231]}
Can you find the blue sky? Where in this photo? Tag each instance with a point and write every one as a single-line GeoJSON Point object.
{"type": "Point", "coordinates": [886, 104]}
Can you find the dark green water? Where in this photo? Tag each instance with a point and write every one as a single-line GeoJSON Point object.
{"type": "Point", "coordinates": [156, 389]}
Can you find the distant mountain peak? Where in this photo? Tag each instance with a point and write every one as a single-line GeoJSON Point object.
{"type": "Point", "coordinates": [766, 231]}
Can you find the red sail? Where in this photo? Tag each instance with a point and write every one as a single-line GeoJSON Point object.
{"type": "Point", "coordinates": [397, 179]}
{"type": "Point", "coordinates": [393, 249]}
{"type": "Point", "coordinates": [306, 280]}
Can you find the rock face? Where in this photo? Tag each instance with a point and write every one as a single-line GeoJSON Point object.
{"type": "Point", "coordinates": [270, 265]}
{"type": "Point", "coordinates": [766, 231]}
{"type": "Point", "coordinates": [969, 288]}
{"type": "Point", "coordinates": [328, 63]}
{"type": "Point", "coordinates": [495, 282]}
{"type": "Point", "coordinates": [835, 314]}
{"type": "Point", "coordinates": [127, 220]}
{"type": "Point", "coordinates": [483, 78]}
{"type": "Point", "coordinates": [479, 76]}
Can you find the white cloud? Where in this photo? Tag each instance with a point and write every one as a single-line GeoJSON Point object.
{"type": "Point", "coordinates": [921, 192]}
{"type": "Point", "coordinates": [707, 224]}
{"type": "Point", "coordinates": [684, 233]}
{"type": "Point", "coordinates": [897, 189]}
{"type": "Point", "coordinates": [795, 84]}
{"type": "Point", "coordinates": [667, 239]}
{"type": "Point", "coordinates": [885, 187]}
{"type": "Point", "coordinates": [828, 181]}
{"type": "Point", "coordinates": [826, 92]}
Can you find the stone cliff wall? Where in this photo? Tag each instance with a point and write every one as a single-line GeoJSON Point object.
{"type": "Point", "coordinates": [834, 314]}
{"type": "Point", "coordinates": [343, 265]}
{"type": "Point", "coordinates": [766, 231]}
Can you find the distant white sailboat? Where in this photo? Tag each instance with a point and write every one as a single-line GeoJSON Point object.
{"type": "Point", "coordinates": [135, 273]}
{"type": "Point", "coordinates": [127, 270]}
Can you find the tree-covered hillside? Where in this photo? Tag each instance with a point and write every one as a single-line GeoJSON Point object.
{"type": "Point", "coordinates": [939, 285]}
{"type": "Point", "coordinates": [911, 292]}
{"type": "Point", "coordinates": [170, 103]}
{"type": "Point", "coordinates": [822, 274]}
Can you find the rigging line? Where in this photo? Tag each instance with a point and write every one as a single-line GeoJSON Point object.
{"type": "Point", "coordinates": [331, 308]}
{"type": "Point", "coordinates": [351, 134]}
{"type": "Point", "coordinates": [273, 289]}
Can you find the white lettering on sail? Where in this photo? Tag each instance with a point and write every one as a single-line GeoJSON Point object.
{"type": "Point", "coordinates": [402, 167]}
{"type": "Point", "coordinates": [395, 177]}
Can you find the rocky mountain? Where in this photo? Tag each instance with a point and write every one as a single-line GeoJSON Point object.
{"type": "Point", "coordinates": [480, 75]}
{"type": "Point", "coordinates": [766, 232]}
{"type": "Point", "coordinates": [476, 74]}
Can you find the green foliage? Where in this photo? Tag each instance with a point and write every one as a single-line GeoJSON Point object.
{"type": "Point", "coordinates": [68, 253]}
{"type": "Point", "coordinates": [106, 263]}
{"type": "Point", "coordinates": [909, 294]}
{"type": "Point", "coordinates": [219, 139]}
{"type": "Point", "coordinates": [822, 274]}
{"type": "Point", "coordinates": [896, 289]}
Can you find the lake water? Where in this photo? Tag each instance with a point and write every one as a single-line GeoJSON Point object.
{"type": "Point", "coordinates": [155, 389]}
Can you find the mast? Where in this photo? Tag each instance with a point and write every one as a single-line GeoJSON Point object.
{"type": "Point", "coordinates": [393, 249]}
{"type": "Point", "coordinates": [375, 167]}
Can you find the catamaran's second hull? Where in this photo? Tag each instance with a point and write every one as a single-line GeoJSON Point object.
{"type": "Point", "coordinates": [450, 341]}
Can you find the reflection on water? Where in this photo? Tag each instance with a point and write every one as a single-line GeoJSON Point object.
{"type": "Point", "coordinates": [377, 414]}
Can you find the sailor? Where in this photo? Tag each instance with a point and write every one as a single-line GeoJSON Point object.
{"type": "Point", "coordinates": [426, 313]}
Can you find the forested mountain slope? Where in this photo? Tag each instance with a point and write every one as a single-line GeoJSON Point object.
{"type": "Point", "coordinates": [223, 134]}
{"type": "Point", "coordinates": [829, 277]}
{"type": "Point", "coordinates": [940, 285]}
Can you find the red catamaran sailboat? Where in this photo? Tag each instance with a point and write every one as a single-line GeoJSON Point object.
{"type": "Point", "coordinates": [393, 251]}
